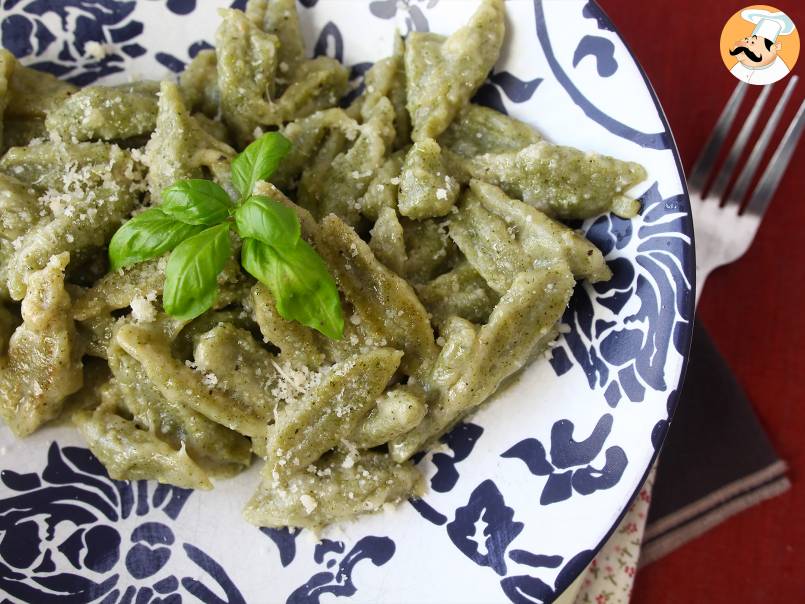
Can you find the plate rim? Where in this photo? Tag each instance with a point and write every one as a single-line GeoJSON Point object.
{"type": "Point", "coordinates": [688, 260]}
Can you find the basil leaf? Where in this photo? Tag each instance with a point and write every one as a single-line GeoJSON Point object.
{"type": "Point", "coordinates": [268, 221]}
{"type": "Point", "coordinates": [147, 235]}
{"type": "Point", "coordinates": [196, 201]}
{"type": "Point", "coordinates": [300, 283]}
{"type": "Point", "coordinates": [258, 161]}
{"type": "Point", "coordinates": [191, 277]}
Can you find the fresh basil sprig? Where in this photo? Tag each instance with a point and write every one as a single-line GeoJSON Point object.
{"type": "Point", "coordinates": [194, 222]}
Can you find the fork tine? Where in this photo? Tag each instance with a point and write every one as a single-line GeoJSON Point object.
{"type": "Point", "coordinates": [744, 179]}
{"type": "Point", "coordinates": [779, 162]}
{"type": "Point", "coordinates": [704, 163]}
{"type": "Point", "coordinates": [719, 187]}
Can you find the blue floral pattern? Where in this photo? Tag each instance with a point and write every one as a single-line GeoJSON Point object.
{"type": "Point", "coordinates": [487, 507]}
{"type": "Point", "coordinates": [63, 534]}
{"type": "Point", "coordinates": [602, 50]}
{"type": "Point", "coordinates": [642, 312]}
{"type": "Point", "coordinates": [87, 538]}
{"type": "Point", "coordinates": [338, 582]}
{"type": "Point", "coordinates": [25, 32]}
{"type": "Point", "coordinates": [411, 12]}
{"type": "Point", "coordinates": [570, 466]}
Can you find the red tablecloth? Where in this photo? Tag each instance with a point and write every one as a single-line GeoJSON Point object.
{"type": "Point", "coordinates": [754, 309]}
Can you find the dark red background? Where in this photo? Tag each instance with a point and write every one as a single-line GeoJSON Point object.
{"type": "Point", "coordinates": [754, 309]}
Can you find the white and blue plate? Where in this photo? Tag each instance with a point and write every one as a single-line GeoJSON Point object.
{"type": "Point", "coordinates": [523, 493]}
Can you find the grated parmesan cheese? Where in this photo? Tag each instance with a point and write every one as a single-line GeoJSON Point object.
{"type": "Point", "coordinates": [308, 503]}
{"type": "Point", "coordinates": [142, 310]}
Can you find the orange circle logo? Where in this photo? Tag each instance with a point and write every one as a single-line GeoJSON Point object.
{"type": "Point", "coordinates": [759, 44]}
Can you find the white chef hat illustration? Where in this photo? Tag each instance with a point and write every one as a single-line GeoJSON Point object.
{"type": "Point", "coordinates": [768, 25]}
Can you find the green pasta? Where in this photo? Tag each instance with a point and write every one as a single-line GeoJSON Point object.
{"type": "Point", "coordinates": [130, 453]}
{"type": "Point", "coordinates": [330, 412]}
{"type": "Point", "coordinates": [334, 490]}
{"type": "Point", "coordinates": [43, 364]}
{"type": "Point", "coordinates": [443, 73]}
{"type": "Point", "coordinates": [106, 113]}
{"type": "Point", "coordinates": [563, 182]}
{"type": "Point", "coordinates": [437, 219]}
{"type": "Point", "coordinates": [427, 189]}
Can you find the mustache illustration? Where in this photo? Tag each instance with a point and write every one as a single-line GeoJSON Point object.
{"type": "Point", "coordinates": [743, 49]}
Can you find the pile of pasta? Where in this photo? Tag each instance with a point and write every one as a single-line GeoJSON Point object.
{"type": "Point", "coordinates": [438, 218]}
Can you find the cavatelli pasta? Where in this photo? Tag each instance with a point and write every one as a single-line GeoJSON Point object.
{"type": "Point", "coordinates": [438, 218]}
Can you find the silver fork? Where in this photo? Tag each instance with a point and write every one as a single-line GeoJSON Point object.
{"type": "Point", "coordinates": [723, 231]}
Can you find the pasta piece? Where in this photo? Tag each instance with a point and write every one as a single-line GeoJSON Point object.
{"type": "Point", "coordinates": [444, 73]}
{"type": "Point", "coordinates": [426, 188]}
{"type": "Point", "coordinates": [459, 344]}
{"type": "Point", "coordinates": [388, 242]}
{"type": "Point", "coordinates": [129, 453]}
{"type": "Point", "coordinates": [306, 135]}
{"type": "Point", "coordinates": [31, 93]}
{"type": "Point", "coordinates": [461, 292]}
{"type": "Point", "coordinates": [97, 332]}
{"type": "Point", "coordinates": [544, 240]}
{"type": "Point", "coordinates": [384, 303]}
{"type": "Point", "coordinates": [57, 167]}
{"type": "Point", "coordinates": [242, 367]}
{"type": "Point", "coordinates": [502, 237]}
{"type": "Point", "coordinates": [313, 180]}
{"type": "Point", "coordinates": [199, 84]}
{"type": "Point", "coordinates": [563, 182]}
{"type": "Point", "coordinates": [298, 344]}
{"type": "Point", "coordinates": [487, 243]}
{"type": "Point", "coordinates": [396, 412]}
{"type": "Point", "coordinates": [523, 320]}
{"type": "Point", "coordinates": [350, 173]}
{"type": "Point", "coordinates": [247, 62]}
{"type": "Point", "coordinates": [386, 78]}
{"type": "Point", "coordinates": [315, 85]}
{"type": "Point", "coordinates": [20, 210]}
{"type": "Point", "coordinates": [340, 488]}
{"type": "Point", "coordinates": [180, 384]}
{"type": "Point", "coordinates": [279, 17]}
{"type": "Point", "coordinates": [430, 249]}
{"type": "Point", "coordinates": [478, 130]}
{"type": "Point", "coordinates": [217, 449]}
{"type": "Point", "coordinates": [106, 113]}
{"type": "Point", "coordinates": [180, 147]}
{"type": "Point", "coordinates": [88, 204]}
{"type": "Point", "coordinates": [43, 365]}
{"type": "Point", "coordinates": [329, 412]}
{"type": "Point", "coordinates": [383, 189]}
{"type": "Point", "coordinates": [116, 290]}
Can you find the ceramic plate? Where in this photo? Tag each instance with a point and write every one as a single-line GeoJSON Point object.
{"type": "Point", "coordinates": [523, 493]}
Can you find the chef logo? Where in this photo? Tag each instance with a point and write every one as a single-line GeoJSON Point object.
{"type": "Point", "coordinates": [760, 44]}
